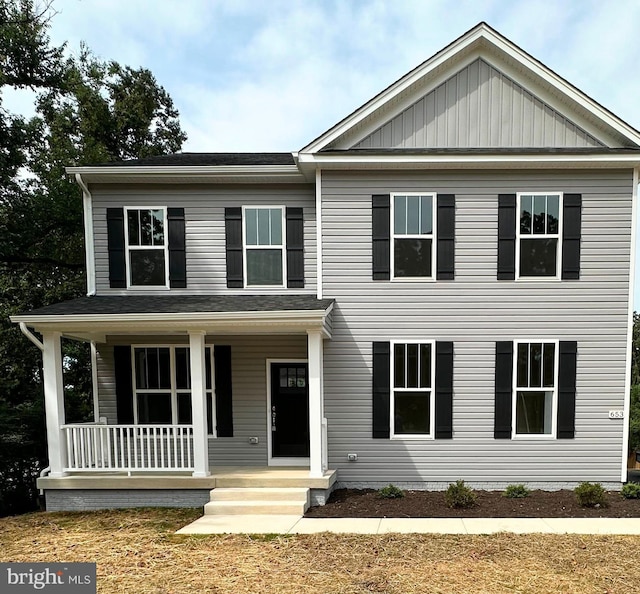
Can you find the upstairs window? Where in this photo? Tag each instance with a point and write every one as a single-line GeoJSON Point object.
{"type": "Point", "coordinates": [413, 253]}
{"type": "Point", "coordinates": [264, 247]}
{"type": "Point", "coordinates": [538, 235]}
{"type": "Point", "coordinates": [535, 389]}
{"type": "Point", "coordinates": [146, 246]}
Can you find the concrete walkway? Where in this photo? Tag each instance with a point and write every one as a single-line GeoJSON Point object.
{"type": "Point", "coordinates": [276, 524]}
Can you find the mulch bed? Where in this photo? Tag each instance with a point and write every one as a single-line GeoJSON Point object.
{"type": "Point", "coordinates": [366, 503]}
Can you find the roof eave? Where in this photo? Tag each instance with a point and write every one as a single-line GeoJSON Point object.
{"type": "Point", "coordinates": [149, 173]}
{"type": "Point", "coordinates": [491, 161]}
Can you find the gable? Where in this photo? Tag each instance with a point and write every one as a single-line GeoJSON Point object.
{"type": "Point", "coordinates": [480, 92]}
{"type": "Point", "coordinates": [479, 107]}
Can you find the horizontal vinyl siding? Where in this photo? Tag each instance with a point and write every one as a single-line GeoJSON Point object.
{"type": "Point", "coordinates": [474, 311]}
{"type": "Point", "coordinates": [249, 382]}
{"type": "Point", "coordinates": [479, 107]}
{"type": "Point", "coordinates": [204, 229]}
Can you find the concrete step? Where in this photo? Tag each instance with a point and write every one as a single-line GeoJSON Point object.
{"type": "Point", "coordinates": [227, 508]}
{"type": "Point", "coordinates": [297, 494]}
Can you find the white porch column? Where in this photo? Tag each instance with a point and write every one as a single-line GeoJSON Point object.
{"type": "Point", "coordinates": [199, 404]}
{"type": "Point", "coordinates": [315, 356]}
{"type": "Point", "coordinates": [54, 402]}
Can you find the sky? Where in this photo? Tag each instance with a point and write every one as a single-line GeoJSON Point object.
{"type": "Point", "coordinates": [272, 75]}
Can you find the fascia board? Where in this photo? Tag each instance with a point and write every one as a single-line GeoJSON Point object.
{"type": "Point", "coordinates": [148, 172]}
{"type": "Point", "coordinates": [470, 161]}
{"type": "Point", "coordinates": [266, 316]}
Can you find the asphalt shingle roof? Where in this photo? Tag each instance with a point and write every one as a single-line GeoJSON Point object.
{"type": "Point", "coordinates": [144, 304]}
{"type": "Point", "coordinates": [207, 159]}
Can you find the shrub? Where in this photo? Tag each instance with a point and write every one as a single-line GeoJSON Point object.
{"type": "Point", "coordinates": [631, 491]}
{"type": "Point", "coordinates": [591, 495]}
{"type": "Point", "coordinates": [516, 492]}
{"type": "Point", "coordinates": [391, 492]}
{"type": "Point", "coordinates": [459, 495]}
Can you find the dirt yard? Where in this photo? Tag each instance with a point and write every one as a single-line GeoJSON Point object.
{"type": "Point", "coordinates": [136, 551]}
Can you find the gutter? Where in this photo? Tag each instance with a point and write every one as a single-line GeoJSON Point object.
{"type": "Point", "coordinates": [87, 209]}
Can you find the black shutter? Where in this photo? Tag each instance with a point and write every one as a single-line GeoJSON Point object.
{"type": "Point", "coordinates": [381, 236]}
{"type": "Point", "coordinates": [446, 236]}
{"type": "Point", "coordinates": [567, 389]}
{"type": "Point", "coordinates": [503, 390]}
{"type": "Point", "coordinates": [381, 389]}
{"type": "Point", "coordinates": [124, 386]}
{"type": "Point", "coordinates": [506, 237]}
{"type": "Point", "coordinates": [224, 393]}
{"type": "Point", "coordinates": [115, 243]}
{"type": "Point", "coordinates": [177, 252]}
{"type": "Point", "coordinates": [295, 248]}
{"type": "Point", "coordinates": [571, 223]}
{"type": "Point", "coordinates": [444, 390]}
{"type": "Point", "coordinates": [233, 229]}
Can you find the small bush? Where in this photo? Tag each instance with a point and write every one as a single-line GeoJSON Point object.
{"type": "Point", "coordinates": [591, 495]}
{"type": "Point", "coordinates": [459, 495]}
{"type": "Point", "coordinates": [516, 492]}
{"type": "Point", "coordinates": [631, 491]}
{"type": "Point", "coordinates": [391, 492]}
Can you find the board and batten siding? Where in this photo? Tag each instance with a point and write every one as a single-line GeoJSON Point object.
{"type": "Point", "coordinates": [204, 230]}
{"type": "Point", "coordinates": [249, 356]}
{"type": "Point", "coordinates": [474, 311]}
{"type": "Point", "coordinates": [478, 107]}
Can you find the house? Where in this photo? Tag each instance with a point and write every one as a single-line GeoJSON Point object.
{"type": "Point", "coordinates": [438, 287]}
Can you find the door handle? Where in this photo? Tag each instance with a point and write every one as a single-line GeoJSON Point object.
{"type": "Point", "coordinates": [273, 418]}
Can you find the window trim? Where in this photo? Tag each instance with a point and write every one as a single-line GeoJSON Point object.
{"type": "Point", "coordinates": [519, 237]}
{"type": "Point", "coordinates": [210, 394]}
{"type": "Point", "coordinates": [128, 248]}
{"type": "Point", "coordinates": [515, 389]}
{"type": "Point", "coordinates": [282, 247]}
{"type": "Point", "coordinates": [432, 236]}
{"type": "Point", "coordinates": [432, 390]}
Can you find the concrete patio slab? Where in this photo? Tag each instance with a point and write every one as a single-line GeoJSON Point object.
{"type": "Point", "coordinates": [337, 525]}
{"type": "Point", "coordinates": [241, 524]}
{"type": "Point", "coordinates": [422, 526]}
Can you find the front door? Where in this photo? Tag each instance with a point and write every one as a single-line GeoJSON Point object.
{"type": "Point", "coordinates": [289, 410]}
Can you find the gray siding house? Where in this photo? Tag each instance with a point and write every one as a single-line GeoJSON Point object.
{"type": "Point", "coordinates": [438, 287]}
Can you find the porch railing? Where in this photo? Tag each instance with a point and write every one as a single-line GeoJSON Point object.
{"type": "Point", "coordinates": [99, 447]}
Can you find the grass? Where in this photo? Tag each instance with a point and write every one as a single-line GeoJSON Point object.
{"type": "Point", "coordinates": [136, 551]}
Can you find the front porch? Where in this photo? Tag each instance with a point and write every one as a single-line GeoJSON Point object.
{"type": "Point", "coordinates": [106, 490]}
{"type": "Point", "coordinates": [163, 406]}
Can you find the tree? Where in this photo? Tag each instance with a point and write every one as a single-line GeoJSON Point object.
{"type": "Point", "coordinates": [87, 111]}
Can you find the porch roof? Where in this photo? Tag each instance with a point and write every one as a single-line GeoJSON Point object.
{"type": "Point", "coordinates": [91, 318]}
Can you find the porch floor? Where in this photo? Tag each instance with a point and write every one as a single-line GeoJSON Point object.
{"type": "Point", "coordinates": [221, 476]}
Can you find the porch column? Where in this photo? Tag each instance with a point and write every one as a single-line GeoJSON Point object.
{"type": "Point", "coordinates": [198, 404]}
{"type": "Point", "coordinates": [314, 341]}
{"type": "Point", "coordinates": [54, 402]}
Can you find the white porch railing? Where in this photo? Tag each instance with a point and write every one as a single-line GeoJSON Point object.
{"type": "Point", "coordinates": [98, 447]}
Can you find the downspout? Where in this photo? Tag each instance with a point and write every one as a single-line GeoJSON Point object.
{"type": "Point", "coordinates": [32, 337]}
{"type": "Point", "coordinates": [319, 290]}
{"type": "Point", "coordinates": [87, 208]}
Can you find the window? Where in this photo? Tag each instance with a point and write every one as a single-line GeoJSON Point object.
{"type": "Point", "coordinates": [264, 246]}
{"type": "Point", "coordinates": [412, 407]}
{"type": "Point", "coordinates": [535, 374]}
{"type": "Point", "coordinates": [162, 386]}
{"type": "Point", "coordinates": [147, 248]}
{"type": "Point", "coordinates": [538, 235]}
{"type": "Point", "coordinates": [412, 246]}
